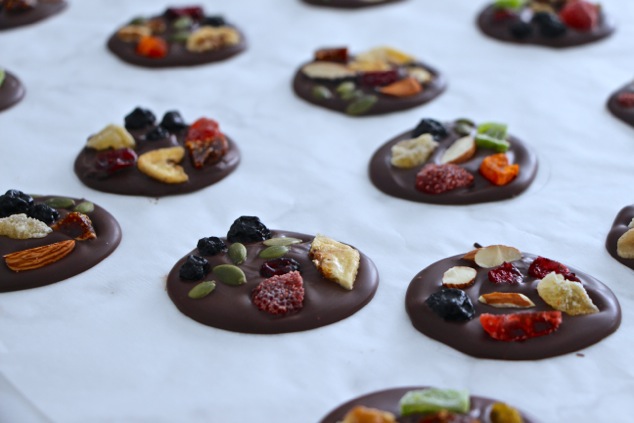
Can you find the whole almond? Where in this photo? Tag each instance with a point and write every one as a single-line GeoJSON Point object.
{"type": "Point", "coordinates": [34, 258]}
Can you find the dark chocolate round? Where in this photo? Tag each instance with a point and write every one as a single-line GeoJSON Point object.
{"type": "Point", "coordinates": [501, 30]}
{"type": "Point", "coordinates": [401, 183]}
{"type": "Point", "coordinates": [626, 114]}
{"type": "Point", "coordinates": [388, 400]}
{"type": "Point", "coordinates": [11, 91]}
{"type": "Point", "coordinates": [42, 10]}
{"type": "Point", "coordinates": [85, 255]}
{"type": "Point", "coordinates": [132, 181]}
{"type": "Point", "coordinates": [619, 227]}
{"type": "Point", "coordinates": [349, 4]}
{"type": "Point", "coordinates": [574, 333]}
{"type": "Point", "coordinates": [230, 307]}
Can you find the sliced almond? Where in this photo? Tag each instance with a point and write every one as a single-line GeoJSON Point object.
{"type": "Point", "coordinates": [625, 245]}
{"type": "Point", "coordinates": [37, 257]}
{"type": "Point", "coordinates": [495, 255]}
{"type": "Point", "coordinates": [506, 300]}
{"type": "Point", "coordinates": [470, 255]}
{"type": "Point", "coordinates": [327, 70]}
{"type": "Point", "coordinates": [161, 164]}
{"type": "Point", "coordinates": [460, 151]}
{"type": "Point", "coordinates": [459, 277]}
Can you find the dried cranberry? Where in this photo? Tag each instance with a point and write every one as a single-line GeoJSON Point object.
{"type": "Point", "coordinates": [194, 12]}
{"type": "Point", "coordinates": [248, 229]}
{"type": "Point", "coordinates": [451, 304]}
{"type": "Point", "coordinates": [520, 326]}
{"type": "Point", "coordinates": [279, 267]}
{"type": "Point", "coordinates": [378, 78]}
{"type": "Point", "coordinates": [625, 100]}
{"type": "Point", "coordinates": [332, 54]}
{"type": "Point", "coordinates": [203, 129]}
{"type": "Point", "coordinates": [542, 266]}
{"type": "Point", "coordinates": [211, 246]}
{"type": "Point", "coordinates": [280, 295]}
{"type": "Point", "coordinates": [436, 179]}
{"type": "Point", "coordinates": [195, 268]}
{"type": "Point", "coordinates": [506, 273]}
{"type": "Point", "coordinates": [111, 161]}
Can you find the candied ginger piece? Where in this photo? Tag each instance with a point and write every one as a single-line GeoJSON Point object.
{"type": "Point", "coordinates": [564, 295]}
{"type": "Point", "coordinates": [335, 261]}
{"type": "Point", "coordinates": [20, 226]}
{"type": "Point", "coordinates": [212, 38]}
{"type": "Point", "coordinates": [361, 414]}
{"type": "Point", "coordinates": [412, 152]}
{"type": "Point", "coordinates": [625, 244]}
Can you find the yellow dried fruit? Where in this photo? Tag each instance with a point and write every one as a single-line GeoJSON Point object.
{"type": "Point", "coordinates": [161, 164]}
{"type": "Point", "coordinates": [564, 295]}
{"type": "Point", "coordinates": [20, 226]}
{"type": "Point", "coordinates": [212, 38]}
{"type": "Point", "coordinates": [133, 33]}
{"type": "Point", "coordinates": [625, 245]}
{"type": "Point", "coordinates": [335, 261]}
{"type": "Point", "coordinates": [112, 136]}
{"type": "Point", "coordinates": [413, 152]}
{"type": "Point", "coordinates": [504, 413]}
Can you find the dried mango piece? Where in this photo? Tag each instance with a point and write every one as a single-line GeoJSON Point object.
{"type": "Point", "coordinates": [564, 295]}
{"type": "Point", "coordinates": [402, 88]}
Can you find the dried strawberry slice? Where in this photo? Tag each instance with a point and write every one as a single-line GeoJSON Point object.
{"type": "Point", "coordinates": [520, 326]}
{"type": "Point", "coordinates": [542, 266]}
{"type": "Point", "coordinates": [203, 129]}
{"type": "Point", "coordinates": [505, 273]}
{"type": "Point", "coordinates": [76, 225]}
{"type": "Point", "coordinates": [280, 295]}
{"type": "Point", "coordinates": [209, 150]}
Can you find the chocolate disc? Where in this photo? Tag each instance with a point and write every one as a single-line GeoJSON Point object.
{"type": "Point", "coordinates": [349, 4]}
{"type": "Point", "coordinates": [176, 38]}
{"type": "Point", "coordinates": [131, 181]}
{"type": "Point", "coordinates": [230, 307]}
{"type": "Point", "coordinates": [499, 27]}
{"type": "Point", "coordinates": [388, 400]}
{"type": "Point", "coordinates": [401, 183]}
{"type": "Point", "coordinates": [11, 91]}
{"type": "Point", "coordinates": [85, 255]}
{"type": "Point", "coordinates": [574, 333]}
{"type": "Point", "coordinates": [626, 114]}
{"type": "Point", "coordinates": [42, 10]}
{"type": "Point", "coordinates": [619, 227]}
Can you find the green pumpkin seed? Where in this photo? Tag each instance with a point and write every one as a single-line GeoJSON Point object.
{"type": "Point", "coordinates": [230, 274]}
{"type": "Point", "coordinates": [344, 88]}
{"type": "Point", "coordinates": [183, 23]}
{"type": "Point", "coordinates": [274, 252]}
{"type": "Point", "coordinates": [85, 207]}
{"type": "Point", "coordinates": [2, 75]}
{"type": "Point", "coordinates": [352, 95]}
{"type": "Point", "coordinates": [179, 37]}
{"type": "Point", "coordinates": [321, 92]}
{"type": "Point", "coordinates": [138, 21]}
{"type": "Point", "coordinates": [361, 105]}
{"type": "Point", "coordinates": [281, 241]}
{"type": "Point", "coordinates": [464, 126]}
{"type": "Point", "coordinates": [60, 202]}
{"type": "Point", "coordinates": [237, 253]}
{"type": "Point", "coordinates": [202, 290]}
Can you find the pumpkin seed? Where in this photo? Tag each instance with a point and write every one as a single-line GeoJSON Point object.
{"type": "Point", "coordinates": [183, 22]}
{"type": "Point", "coordinates": [179, 37]}
{"type": "Point", "coordinates": [273, 252]}
{"type": "Point", "coordinates": [60, 202]}
{"type": "Point", "coordinates": [361, 105]}
{"type": "Point", "coordinates": [85, 207]}
{"type": "Point", "coordinates": [2, 75]}
{"type": "Point", "coordinates": [281, 240]}
{"type": "Point", "coordinates": [202, 290]}
{"type": "Point", "coordinates": [321, 92]}
{"type": "Point", "coordinates": [230, 274]}
{"type": "Point", "coordinates": [344, 88]}
{"type": "Point", "coordinates": [237, 253]}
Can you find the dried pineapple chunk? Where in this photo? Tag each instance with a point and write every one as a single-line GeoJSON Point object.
{"type": "Point", "coordinates": [335, 261]}
{"type": "Point", "coordinates": [161, 164]}
{"type": "Point", "coordinates": [413, 152]}
{"type": "Point", "coordinates": [212, 38]}
{"type": "Point", "coordinates": [20, 226]}
{"type": "Point", "coordinates": [379, 59]}
{"type": "Point", "coordinates": [112, 136]}
{"type": "Point", "coordinates": [564, 295]}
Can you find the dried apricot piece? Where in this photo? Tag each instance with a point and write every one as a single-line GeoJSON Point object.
{"type": "Point", "coordinates": [361, 414]}
{"type": "Point", "coordinates": [402, 88]}
{"type": "Point", "coordinates": [76, 225]}
{"type": "Point", "coordinates": [153, 47]}
{"type": "Point", "coordinates": [520, 326]}
{"type": "Point", "coordinates": [497, 170]}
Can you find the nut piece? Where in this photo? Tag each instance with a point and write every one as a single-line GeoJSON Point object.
{"type": "Point", "coordinates": [506, 300]}
{"type": "Point", "coordinates": [20, 226]}
{"type": "Point", "coordinates": [405, 87]}
{"type": "Point", "coordinates": [460, 151]}
{"type": "Point", "coordinates": [212, 38]}
{"type": "Point", "coordinates": [625, 245]}
{"type": "Point", "coordinates": [459, 277]}
{"type": "Point", "coordinates": [410, 153]}
{"type": "Point", "coordinates": [380, 58]}
{"type": "Point", "coordinates": [133, 33]}
{"type": "Point", "coordinates": [335, 261]}
{"type": "Point", "coordinates": [327, 70]}
{"type": "Point", "coordinates": [564, 295]}
{"type": "Point", "coordinates": [421, 74]}
{"type": "Point", "coordinates": [495, 255]}
{"type": "Point", "coordinates": [361, 414]}
{"type": "Point", "coordinates": [37, 257]}
{"type": "Point", "coordinates": [161, 164]}
{"type": "Point", "coordinates": [112, 136]}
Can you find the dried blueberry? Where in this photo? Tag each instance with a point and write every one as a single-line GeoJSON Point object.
{"type": "Point", "coordinates": [278, 267]}
{"type": "Point", "coordinates": [139, 118]}
{"type": "Point", "coordinates": [248, 229]}
{"type": "Point", "coordinates": [20, 194]}
{"type": "Point", "coordinates": [214, 21]}
{"type": "Point", "coordinates": [430, 126]}
{"type": "Point", "coordinates": [451, 304]}
{"type": "Point", "coordinates": [211, 246]}
{"type": "Point", "coordinates": [14, 202]}
{"type": "Point", "coordinates": [195, 268]}
{"type": "Point", "coordinates": [550, 26]}
{"type": "Point", "coordinates": [158, 133]}
{"type": "Point", "coordinates": [44, 213]}
{"type": "Point", "coordinates": [520, 30]}
{"type": "Point", "coordinates": [173, 121]}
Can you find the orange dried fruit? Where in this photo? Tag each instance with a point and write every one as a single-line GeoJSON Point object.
{"type": "Point", "coordinates": [76, 225]}
{"type": "Point", "coordinates": [361, 414]}
{"type": "Point", "coordinates": [402, 88]}
{"type": "Point", "coordinates": [153, 47]}
{"type": "Point", "coordinates": [497, 170]}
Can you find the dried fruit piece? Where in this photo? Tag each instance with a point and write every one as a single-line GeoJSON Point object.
{"type": "Point", "coordinates": [237, 253]}
{"type": "Point", "coordinates": [361, 414]}
{"type": "Point", "coordinates": [506, 300]}
{"type": "Point", "coordinates": [506, 273]}
{"type": "Point", "coordinates": [202, 290]}
{"type": "Point", "coordinates": [433, 400]}
{"type": "Point", "coordinates": [248, 229]}
{"type": "Point", "coordinates": [495, 255]}
{"type": "Point", "coordinates": [625, 100]}
{"type": "Point", "coordinates": [76, 225]}
{"type": "Point", "coordinates": [567, 296]}
{"type": "Point", "coordinates": [14, 202]}
{"type": "Point", "coordinates": [133, 33]}
{"type": "Point", "coordinates": [203, 129]}
{"type": "Point", "coordinates": [194, 268]}
{"type": "Point", "coordinates": [497, 170]}
{"type": "Point", "coordinates": [460, 151]}
{"type": "Point", "coordinates": [152, 47]}
{"type": "Point", "coordinates": [34, 258]}
{"type": "Point", "coordinates": [542, 266]}
{"type": "Point", "coordinates": [378, 78]}
{"type": "Point", "coordinates": [387, 55]}
{"type": "Point", "coordinates": [280, 295]}
{"type": "Point", "coordinates": [436, 179]}
{"type": "Point", "coordinates": [419, 73]}
{"type": "Point", "coordinates": [230, 274]}
{"type": "Point", "coordinates": [410, 153]}
{"type": "Point", "coordinates": [339, 54]}
{"type": "Point", "coordinates": [112, 136]}
{"type": "Point", "coordinates": [279, 266]}
{"type": "Point", "coordinates": [173, 121]}
{"type": "Point", "coordinates": [139, 118]}
{"type": "Point", "coordinates": [520, 326]}
{"type": "Point", "coordinates": [18, 6]}
{"type": "Point", "coordinates": [625, 245]}
{"type": "Point", "coordinates": [193, 12]}
{"type": "Point", "coordinates": [451, 304]}
{"type": "Point", "coordinates": [459, 277]}
{"type": "Point", "coordinates": [492, 135]}
{"type": "Point", "coordinates": [335, 261]}
{"type": "Point", "coordinates": [580, 15]}
{"type": "Point", "coordinates": [402, 88]}
{"type": "Point", "coordinates": [430, 126]}
{"type": "Point", "coordinates": [161, 164]}
{"type": "Point", "coordinates": [327, 70]}
{"type": "Point", "coordinates": [209, 38]}
{"type": "Point", "coordinates": [111, 161]}
{"type": "Point", "coordinates": [211, 246]}
{"type": "Point", "coordinates": [20, 226]}
{"type": "Point", "coordinates": [44, 213]}
{"type": "Point", "coordinates": [207, 151]}
{"type": "Point", "coordinates": [504, 413]}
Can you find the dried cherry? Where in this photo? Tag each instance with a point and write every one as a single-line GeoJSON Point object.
{"type": "Point", "coordinates": [203, 129]}
{"type": "Point", "coordinates": [378, 78]}
{"type": "Point", "coordinates": [194, 12]}
{"type": "Point", "coordinates": [625, 100]}
{"type": "Point", "coordinates": [542, 266]}
{"type": "Point", "coordinates": [506, 273]}
{"type": "Point", "coordinates": [332, 54]}
{"type": "Point", "coordinates": [111, 161]}
{"type": "Point", "coordinates": [520, 326]}
{"type": "Point", "coordinates": [279, 267]}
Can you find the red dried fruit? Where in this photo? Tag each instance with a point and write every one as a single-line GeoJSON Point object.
{"type": "Point", "coordinates": [278, 267]}
{"type": "Point", "coordinates": [378, 78]}
{"type": "Point", "coordinates": [153, 47]}
{"type": "Point", "coordinates": [580, 15]}
{"type": "Point", "coordinates": [436, 179]}
{"type": "Point", "coordinates": [207, 151]}
{"type": "Point", "coordinates": [445, 416]}
{"type": "Point", "coordinates": [542, 266]}
{"type": "Point", "coordinates": [194, 12]}
{"type": "Point", "coordinates": [625, 99]}
{"type": "Point", "coordinates": [505, 273]}
{"type": "Point", "coordinates": [332, 55]}
{"type": "Point", "coordinates": [520, 326]}
{"type": "Point", "coordinates": [17, 6]}
{"type": "Point", "coordinates": [110, 161]}
{"type": "Point", "coordinates": [76, 225]}
{"type": "Point", "coordinates": [500, 15]}
{"type": "Point", "coordinates": [203, 129]}
{"type": "Point", "coordinates": [280, 295]}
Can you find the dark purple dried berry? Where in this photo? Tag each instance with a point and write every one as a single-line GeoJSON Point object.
{"type": "Point", "coordinates": [550, 26]}
{"type": "Point", "coordinates": [195, 268]}
{"type": "Point", "coordinates": [451, 304]}
{"type": "Point", "coordinates": [173, 121]}
{"type": "Point", "coordinates": [158, 133]}
{"type": "Point", "coordinates": [139, 118]}
{"type": "Point", "coordinates": [248, 229]}
{"type": "Point", "coordinates": [44, 213]}
{"type": "Point", "coordinates": [278, 267]}
{"type": "Point", "coordinates": [430, 126]}
{"type": "Point", "coordinates": [520, 30]}
{"type": "Point", "coordinates": [214, 21]}
{"type": "Point", "coordinates": [211, 246]}
{"type": "Point", "coordinates": [14, 202]}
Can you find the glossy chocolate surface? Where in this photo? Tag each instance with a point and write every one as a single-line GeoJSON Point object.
{"type": "Point", "coordinates": [619, 227]}
{"type": "Point", "coordinates": [11, 91]}
{"type": "Point", "coordinates": [500, 31]}
{"type": "Point", "coordinates": [349, 4]}
{"type": "Point", "coordinates": [388, 400]}
{"type": "Point", "coordinates": [132, 181]}
{"type": "Point", "coordinates": [401, 183]}
{"type": "Point", "coordinates": [85, 255]}
{"type": "Point", "coordinates": [626, 114]}
{"type": "Point", "coordinates": [230, 307]}
{"type": "Point", "coordinates": [575, 332]}
{"type": "Point", "coordinates": [42, 10]}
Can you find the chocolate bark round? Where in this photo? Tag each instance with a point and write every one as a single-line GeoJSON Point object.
{"type": "Point", "coordinates": [388, 400]}
{"type": "Point", "coordinates": [401, 183]}
{"type": "Point", "coordinates": [619, 227]}
{"type": "Point", "coordinates": [42, 10]}
{"type": "Point", "coordinates": [349, 4]}
{"type": "Point", "coordinates": [11, 91]}
{"type": "Point", "coordinates": [303, 87]}
{"type": "Point", "coordinates": [626, 114]}
{"type": "Point", "coordinates": [85, 255]}
{"type": "Point", "coordinates": [574, 333]}
{"type": "Point", "coordinates": [230, 307]}
{"type": "Point", "coordinates": [500, 31]}
{"type": "Point", "coordinates": [131, 181]}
